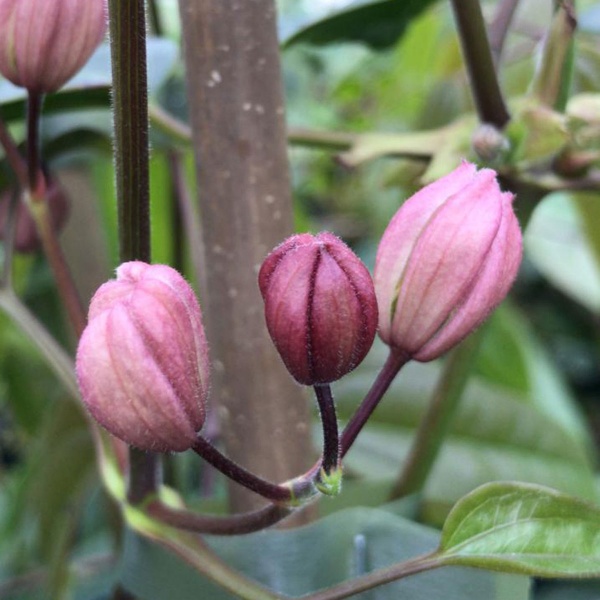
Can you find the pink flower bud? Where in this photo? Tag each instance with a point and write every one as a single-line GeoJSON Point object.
{"type": "Point", "coordinates": [142, 362]}
{"type": "Point", "coordinates": [446, 260]}
{"type": "Point", "coordinates": [26, 237]}
{"type": "Point", "coordinates": [43, 43]}
{"type": "Point", "coordinates": [320, 306]}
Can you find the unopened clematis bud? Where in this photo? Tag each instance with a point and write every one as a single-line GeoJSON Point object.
{"type": "Point", "coordinates": [43, 43]}
{"type": "Point", "coordinates": [142, 361]}
{"type": "Point", "coordinates": [446, 260]}
{"type": "Point", "coordinates": [320, 306]}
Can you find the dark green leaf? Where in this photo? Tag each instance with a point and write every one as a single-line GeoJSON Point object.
{"type": "Point", "coordinates": [377, 24]}
{"type": "Point", "coordinates": [526, 529]}
{"type": "Point", "coordinates": [567, 590]}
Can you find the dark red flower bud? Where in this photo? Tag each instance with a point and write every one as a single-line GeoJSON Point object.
{"type": "Point", "coordinates": [320, 306]}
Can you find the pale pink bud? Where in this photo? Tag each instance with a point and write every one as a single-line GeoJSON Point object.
{"type": "Point", "coordinates": [43, 43]}
{"type": "Point", "coordinates": [320, 306]}
{"type": "Point", "coordinates": [446, 260]}
{"type": "Point", "coordinates": [142, 362]}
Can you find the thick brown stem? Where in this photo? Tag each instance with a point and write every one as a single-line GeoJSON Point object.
{"type": "Point", "coordinates": [237, 116]}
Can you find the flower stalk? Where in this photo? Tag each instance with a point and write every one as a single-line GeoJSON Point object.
{"type": "Point", "coordinates": [127, 23]}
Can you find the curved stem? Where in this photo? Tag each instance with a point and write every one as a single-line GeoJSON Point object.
{"type": "Point", "coordinates": [376, 578]}
{"type": "Point", "coordinates": [56, 357]}
{"type": "Point", "coordinates": [390, 369]}
{"type": "Point", "coordinates": [293, 491]}
{"type": "Point", "coordinates": [480, 65]}
{"type": "Point", "coordinates": [230, 525]}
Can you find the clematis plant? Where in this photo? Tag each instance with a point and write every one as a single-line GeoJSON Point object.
{"type": "Point", "coordinates": [143, 368]}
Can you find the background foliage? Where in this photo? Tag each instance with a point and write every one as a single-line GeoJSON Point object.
{"type": "Point", "coordinates": [531, 410]}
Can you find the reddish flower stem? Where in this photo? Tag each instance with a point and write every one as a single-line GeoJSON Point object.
{"type": "Point", "coordinates": [292, 491]}
{"type": "Point", "coordinates": [390, 369]}
{"type": "Point", "coordinates": [331, 438]}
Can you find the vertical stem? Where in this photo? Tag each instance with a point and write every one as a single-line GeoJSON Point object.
{"type": "Point", "coordinates": [34, 107]}
{"type": "Point", "coordinates": [390, 369]}
{"type": "Point", "coordinates": [438, 417]}
{"type": "Point", "coordinates": [130, 104]}
{"type": "Point", "coordinates": [480, 65]}
{"type": "Point", "coordinates": [237, 114]}
{"type": "Point", "coordinates": [331, 440]}
{"type": "Point", "coordinates": [552, 78]}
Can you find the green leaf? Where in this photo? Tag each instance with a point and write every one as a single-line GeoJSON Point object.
{"type": "Point", "coordinates": [523, 529]}
{"type": "Point", "coordinates": [557, 243]}
{"type": "Point", "coordinates": [377, 24]}
{"type": "Point", "coordinates": [294, 562]}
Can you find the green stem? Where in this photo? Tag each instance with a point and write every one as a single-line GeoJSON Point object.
{"type": "Point", "coordinates": [326, 140]}
{"type": "Point", "coordinates": [171, 126]}
{"type": "Point", "coordinates": [553, 76]}
{"type": "Point", "coordinates": [480, 65]}
{"type": "Point", "coordinates": [434, 425]}
{"type": "Point", "coordinates": [57, 358]}
{"type": "Point", "coordinates": [293, 491]}
{"type": "Point", "coordinates": [130, 104]}
{"type": "Point", "coordinates": [193, 550]}
{"type": "Point", "coordinates": [390, 369]}
{"type": "Point", "coordinates": [376, 578]}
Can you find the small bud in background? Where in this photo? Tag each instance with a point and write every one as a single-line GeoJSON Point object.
{"type": "Point", "coordinates": [142, 361]}
{"type": "Point", "coordinates": [43, 43]}
{"type": "Point", "coordinates": [489, 144]}
{"type": "Point", "coordinates": [446, 260]}
{"type": "Point", "coordinates": [26, 237]}
{"type": "Point", "coordinates": [320, 306]}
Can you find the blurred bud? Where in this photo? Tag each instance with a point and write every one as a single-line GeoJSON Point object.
{"type": "Point", "coordinates": [320, 306]}
{"type": "Point", "coordinates": [446, 260]}
{"type": "Point", "coordinates": [142, 361]}
{"type": "Point", "coordinates": [26, 237]}
{"type": "Point", "coordinates": [488, 143]}
{"type": "Point", "coordinates": [573, 163]}
{"type": "Point", "coordinates": [43, 43]}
